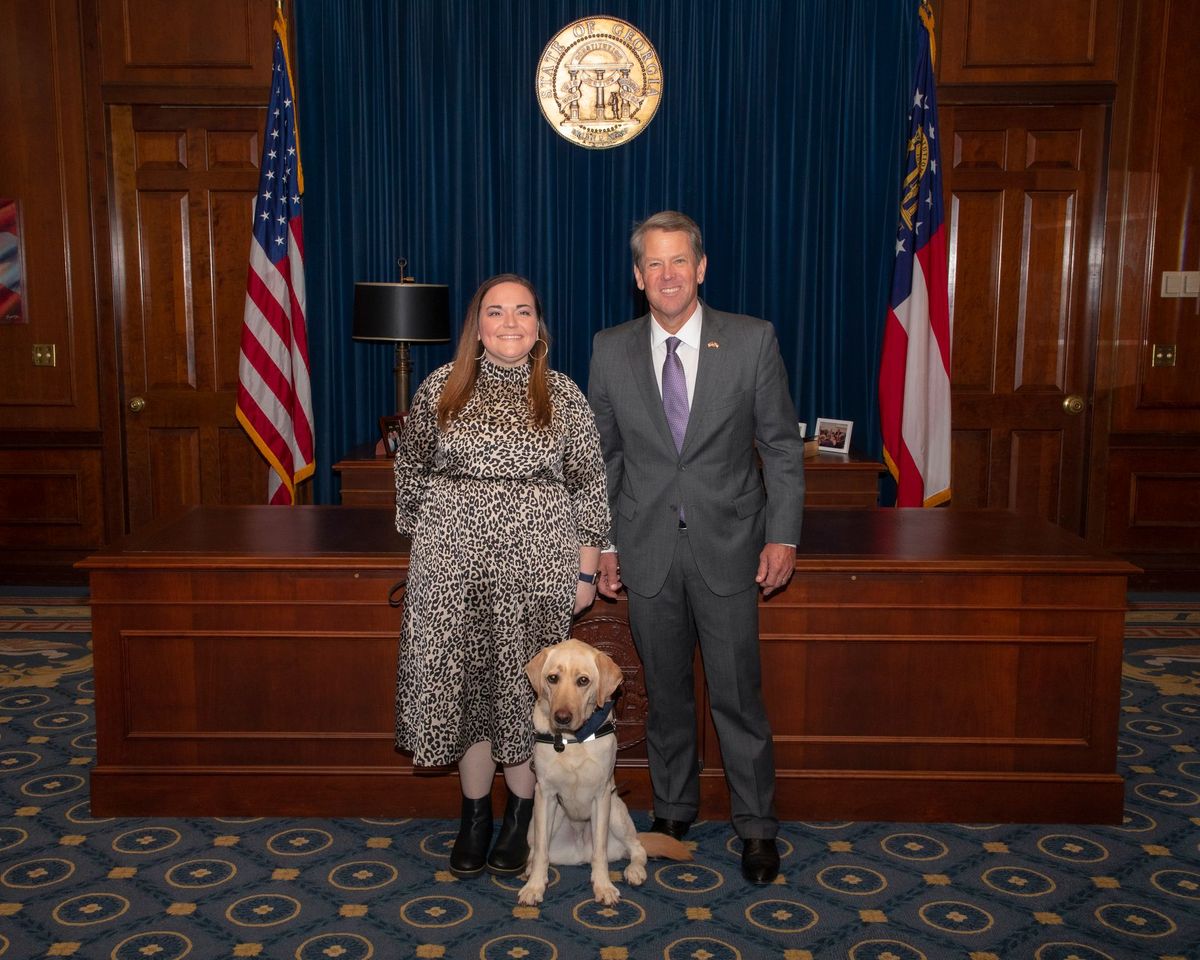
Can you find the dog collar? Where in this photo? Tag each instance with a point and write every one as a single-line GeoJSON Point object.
{"type": "Point", "coordinates": [598, 725]}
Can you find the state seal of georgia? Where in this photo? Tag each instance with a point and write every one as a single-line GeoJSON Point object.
{"type": "Point", "coordinates": [599, 81]}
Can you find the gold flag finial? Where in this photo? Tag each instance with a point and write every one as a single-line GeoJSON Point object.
{"type": "Point", "coordinates": [927, 20]}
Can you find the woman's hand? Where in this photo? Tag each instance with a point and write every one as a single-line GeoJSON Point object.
{"type": "Point", "coordinates": [585, 594]}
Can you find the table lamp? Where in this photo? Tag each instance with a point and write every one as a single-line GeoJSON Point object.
{"type": "Point", "coordinates": [404, 312]}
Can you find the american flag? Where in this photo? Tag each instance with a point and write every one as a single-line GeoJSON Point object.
{"type": "Point", "coordinates": [274, 401]}
{"type": "Point", "coordinates": [914, 372]}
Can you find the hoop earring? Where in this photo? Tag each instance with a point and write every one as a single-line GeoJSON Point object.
{"type": "Point", "coordinates": [482, 351]}
{"type": "Point", "coordinates": [544, 352]}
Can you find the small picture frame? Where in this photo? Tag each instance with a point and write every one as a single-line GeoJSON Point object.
{"type": "Point", "coordinates": [834, 435]}
{"type": "Point", "coordinates": [389, 433]}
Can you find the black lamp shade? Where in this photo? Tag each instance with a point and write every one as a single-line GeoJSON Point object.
{"type": "Point", "coordinates": [411, 312]}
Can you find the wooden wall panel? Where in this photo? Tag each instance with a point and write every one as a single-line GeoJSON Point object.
{"type": "Point", "coordinates": [1154, 503]}
{"type": "Point", "coordinates": [1157, 221]}
{"type": "Point", "coordinates": [53, 508]}
{"type": "Point", "coordinates": [165, 42]}
{"type": "Point", "coordinates": [1169, 497]}
{"type": "Point", "coordinates": [44, 152]}
{"type": "Point", "coordinates": [48, 500]}
{"type": "Point", "coordinates": [1028, 41]}
{"type": "Point", "coordinates": [1145, 474]}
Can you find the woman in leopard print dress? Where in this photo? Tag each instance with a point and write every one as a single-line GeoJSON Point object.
{"type": "Point", "coordinates": [500, 484]}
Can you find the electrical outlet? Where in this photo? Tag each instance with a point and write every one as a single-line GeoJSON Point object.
{"type": "Point", "coordinates": [43, 355]}
{"type": "Point", "coordinates": [1162, 355]}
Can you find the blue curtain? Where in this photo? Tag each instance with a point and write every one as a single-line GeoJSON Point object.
{"type": "Point", "coordinates": [780, 130]}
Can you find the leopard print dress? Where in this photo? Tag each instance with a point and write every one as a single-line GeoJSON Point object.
{"type": "Point", "coordinates": [497, 510]}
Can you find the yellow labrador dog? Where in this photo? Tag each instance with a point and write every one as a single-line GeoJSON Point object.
{"type": "Point", "coordinates": [577, 815]}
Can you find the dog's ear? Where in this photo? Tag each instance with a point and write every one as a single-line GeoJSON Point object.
{"type": "Point", "coordinates": [610, 677]}
{"type": "Point", "coordinates": [533, 669]}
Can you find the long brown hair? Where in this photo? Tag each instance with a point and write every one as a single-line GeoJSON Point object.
{"type": "Point", "coordinates": [460, 385]}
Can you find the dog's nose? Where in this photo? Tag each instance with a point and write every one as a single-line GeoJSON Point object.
{"type": "Point", "coordinates": [562, 717]}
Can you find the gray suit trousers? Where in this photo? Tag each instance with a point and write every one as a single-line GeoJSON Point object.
{"type": "Point", "coordinates": [665, 628]}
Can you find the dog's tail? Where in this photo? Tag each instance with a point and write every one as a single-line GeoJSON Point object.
{"type": "Point", "coordinates": [664, 847]}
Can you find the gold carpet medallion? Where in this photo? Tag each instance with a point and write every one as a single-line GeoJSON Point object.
{"type": "Point", "coordinates": [599, 81]}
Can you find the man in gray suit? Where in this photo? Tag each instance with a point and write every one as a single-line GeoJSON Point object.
{"type": "Point", "coordinates": [683, 398]}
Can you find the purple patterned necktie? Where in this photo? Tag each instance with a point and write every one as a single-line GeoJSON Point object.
{"type": "Point", "coordinates": [674, 393]}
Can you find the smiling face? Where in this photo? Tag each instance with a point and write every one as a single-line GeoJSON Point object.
{"type": "Point", "coordinates": [670, 276]}
{"type": "Point", "coordinates": [508, 323]}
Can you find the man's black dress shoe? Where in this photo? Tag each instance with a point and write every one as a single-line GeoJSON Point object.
{"type": "Point", "coordinates": [672, 828]}
{"type": "Point", "coordinates": [760, 860]}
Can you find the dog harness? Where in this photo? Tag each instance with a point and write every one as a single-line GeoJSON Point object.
{"type": "Point", "coordinates": [598, 725]}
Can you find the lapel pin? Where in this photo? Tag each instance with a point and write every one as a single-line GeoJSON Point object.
{"type": "Point", "coordinates": [713, 345]}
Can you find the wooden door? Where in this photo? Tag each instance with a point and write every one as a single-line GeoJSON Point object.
{"type": "Point", "coordinates": [184, 180]}
{"type": "Point", "coordinates": [1024, 212]}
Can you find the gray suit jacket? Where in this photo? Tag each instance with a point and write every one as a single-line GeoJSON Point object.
{"type": "Point", "coordinates": [741, 401]}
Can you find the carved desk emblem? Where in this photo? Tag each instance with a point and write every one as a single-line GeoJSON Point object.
{"type": "Point", "coordinates": [598, 82]}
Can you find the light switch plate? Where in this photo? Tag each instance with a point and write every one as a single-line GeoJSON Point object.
{"type": "Point", "coordinates": [1180, 283]}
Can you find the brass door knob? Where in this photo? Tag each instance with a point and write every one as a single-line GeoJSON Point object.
{"type": "Point", "coordinates": [137, 404]}
{"type": "Point", "coordinates": [1073, 404]}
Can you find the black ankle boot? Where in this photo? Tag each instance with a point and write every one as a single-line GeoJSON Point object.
{"type": "Point", "coordinates": [512, 846]}
{"type": "Point", "coordinates": [474, 834]}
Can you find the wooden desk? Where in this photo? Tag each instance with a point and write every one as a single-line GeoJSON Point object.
{"type": "Point", "coordinates": [922, 665]}
{"type": "Point", "coordinates": [832, 479]}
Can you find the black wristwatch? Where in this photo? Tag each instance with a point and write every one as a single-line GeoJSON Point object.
{"type": "Point", "coordinates": [588, 577]}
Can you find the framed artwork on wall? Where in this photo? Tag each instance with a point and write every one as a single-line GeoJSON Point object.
{"type": "Point", "coordinates": [12, 280]}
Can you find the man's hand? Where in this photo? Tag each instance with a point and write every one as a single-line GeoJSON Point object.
{"type": "Point", "coordinates": [609, 583]}
{"type": "Point", "coordinates": [776, 564]}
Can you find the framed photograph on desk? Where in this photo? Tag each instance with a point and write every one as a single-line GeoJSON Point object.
{"type": "Point", "coordinates": [834, 435]}
{"type": "Point", "coordinates": [389, 432]}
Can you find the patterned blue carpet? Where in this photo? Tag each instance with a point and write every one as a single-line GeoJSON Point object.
{"type": "Point", "coordinates": [156, 889]}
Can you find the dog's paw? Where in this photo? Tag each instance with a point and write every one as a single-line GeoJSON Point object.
{"type": "Point", "coordinates": [606, 893]}
{"type": "Point", "coordinates": [531, 894]}
{"type": "Point", "coordinates": [635, 874]}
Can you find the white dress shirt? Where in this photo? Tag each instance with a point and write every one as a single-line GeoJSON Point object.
{"type": "Point", "coordinates": [688, 350]}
